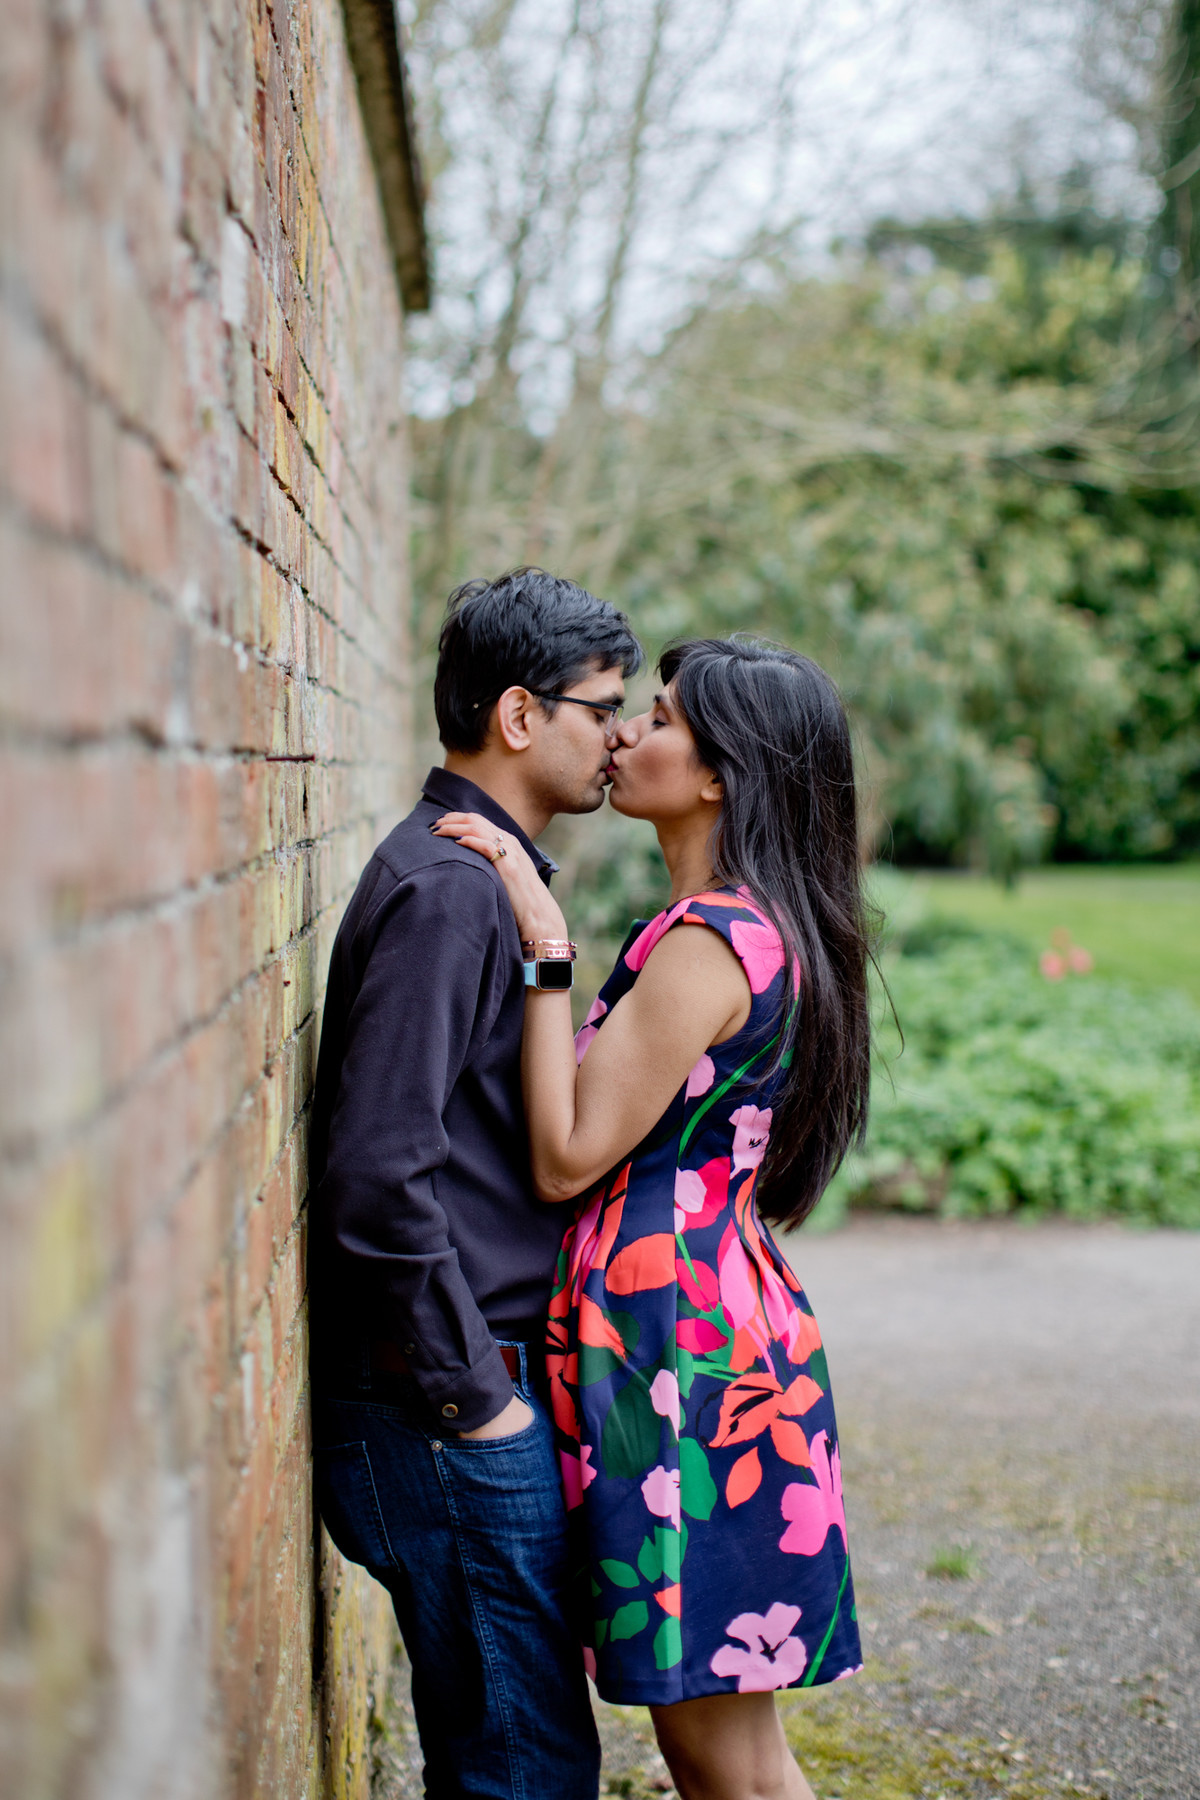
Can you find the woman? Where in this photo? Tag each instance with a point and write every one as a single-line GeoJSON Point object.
{"type": "Point", "coordinates": [718, 1081]}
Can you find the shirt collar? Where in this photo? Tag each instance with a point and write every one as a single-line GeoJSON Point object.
{"type": "Point", "coordinates": [454, 793]}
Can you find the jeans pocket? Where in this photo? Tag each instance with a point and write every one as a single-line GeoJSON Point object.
{"type": "Point", "coordinates": [349, 1504]}
{"type": "Point", "coordinates": [512, 1440]}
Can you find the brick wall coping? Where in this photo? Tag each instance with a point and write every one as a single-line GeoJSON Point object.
{"type": "Point", "coordinates": [373, 35]}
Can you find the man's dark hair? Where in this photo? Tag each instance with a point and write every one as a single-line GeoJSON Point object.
{"type": "Point", "coordinates": [525, 629]}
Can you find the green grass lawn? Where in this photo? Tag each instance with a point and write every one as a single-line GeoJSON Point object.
{"type": "Point", "coordinates": [1142, 925]}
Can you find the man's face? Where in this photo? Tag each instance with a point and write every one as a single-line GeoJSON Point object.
{"type": "Point", "coordinates": [572, 748]}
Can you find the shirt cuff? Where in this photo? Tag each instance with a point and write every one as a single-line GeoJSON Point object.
{"type": "Point", "coordinates": [468, 1398]}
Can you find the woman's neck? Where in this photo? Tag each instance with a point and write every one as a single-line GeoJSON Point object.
{"type": "Point", "coordinates": [685, 849]}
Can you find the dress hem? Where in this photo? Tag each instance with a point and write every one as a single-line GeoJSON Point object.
{"type": "Point", "coordinates": [626, 1696]}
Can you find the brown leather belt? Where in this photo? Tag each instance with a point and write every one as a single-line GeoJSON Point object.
{"type": "Point", "coordinates": [389, 1356]}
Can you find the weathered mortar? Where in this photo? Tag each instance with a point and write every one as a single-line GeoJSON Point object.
{"type": "Point", "coordinates": [204, 729]}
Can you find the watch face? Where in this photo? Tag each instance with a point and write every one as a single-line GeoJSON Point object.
{"type": "Point", "coordinates": [556, 975]}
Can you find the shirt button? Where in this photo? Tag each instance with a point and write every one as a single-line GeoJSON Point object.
{"type": "Point", "coordinates": [410, 1349]}
{"type": "Point", "coordinates": [450, 1411]}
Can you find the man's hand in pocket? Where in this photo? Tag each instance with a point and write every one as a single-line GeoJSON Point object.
{"type": "Point", "coordinates": [517, 1416]}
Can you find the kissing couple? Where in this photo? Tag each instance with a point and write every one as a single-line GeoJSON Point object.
{"type": "Point", "coordinates": [570, 1404]}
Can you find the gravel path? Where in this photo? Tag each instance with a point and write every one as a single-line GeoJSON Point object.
{"type": "Point", "coordinates": [1020, 1419]}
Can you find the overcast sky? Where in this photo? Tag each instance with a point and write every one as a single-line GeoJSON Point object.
{"type": "Point", "coordinates": [888, 107]}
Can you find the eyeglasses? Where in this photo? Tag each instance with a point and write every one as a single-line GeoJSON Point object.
{"type": "Point", "coordinates": [610, 710]}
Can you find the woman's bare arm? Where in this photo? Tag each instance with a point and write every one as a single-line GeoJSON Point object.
{"type": "Point", "coordinates": [691, 993]}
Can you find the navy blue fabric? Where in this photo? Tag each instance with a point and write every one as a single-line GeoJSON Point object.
{"type": "Point", "coordinates": [423, 1224]}
{"type": "Point", "coordinates": [469, 1537]}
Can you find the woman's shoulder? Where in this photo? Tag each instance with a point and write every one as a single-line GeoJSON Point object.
{"type": "Point", "coordinates": [734, 915]}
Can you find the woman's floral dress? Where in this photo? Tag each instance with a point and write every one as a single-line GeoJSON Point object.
{"type": "Point", "coordinates": [694, 1420]}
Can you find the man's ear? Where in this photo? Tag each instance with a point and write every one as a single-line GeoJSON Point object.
{"type": "Point", "coordinates": [713, 791]}
{"type": "Point", "coordinates": [511, 721]}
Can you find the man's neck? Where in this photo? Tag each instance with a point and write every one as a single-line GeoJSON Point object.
{"type": "Point", "coordinates": [503, 785]}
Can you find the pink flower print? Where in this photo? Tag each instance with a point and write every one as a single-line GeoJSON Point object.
{"type": "Point", "coordinates": [589, 1028]}
{"type": "Point", "coordinates": [750, 1139]}
{"type": "Point", "coordinates": [739, 1296]}
{"type": "Point", "coordinates": [814, 1511]}
{"type": "Point", "coordinates": [664, 1398]}
{"type": "Point", "coordinates": [701, 1078]}
{"type": "Point", "coordinates": [803, 1336]}
{"type": "Point", "coordinates": [700, 1336]}
{"type": "Point", "coordinates": [700, 1194]}
{"type": "Point", "coordinates": [761, 951]}
{"type": "Point", "coordinates": [660, 1491]}
{"type": "Point", "coordinates": [772, 1658]}
{"type": "Point", "coordinates": [589, 1661]}
{"type": "Point", "coordinates": [690, 1195]}
{"type": "Point", "coordinates": [699, 1283]}
{"type": "Point", "coordinates": [654, 932]}
{"type": "Point", "coordinates": [577, 1474]}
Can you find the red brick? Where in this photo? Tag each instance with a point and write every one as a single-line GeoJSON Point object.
{"type": "Point", "coordinates": [206, 584]}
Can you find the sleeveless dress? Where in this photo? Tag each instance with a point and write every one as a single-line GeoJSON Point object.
{"type": "Point", "coordinates": [691, 1399]}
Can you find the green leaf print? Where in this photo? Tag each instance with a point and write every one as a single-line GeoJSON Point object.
{"type": "Point", "coordinates": [650, 1559]}
{"type": "Point", "coordinates": [601, 1631]}
{"type": "Point", "coordinates": [670, 1545]}
{"type": "Point", "coordinates": [668, 1644]}
{"type": "Point", "coordinates": [595, 1361]}
{"type": "Point", "coordinates": [818, 1368]}
{"type": "Point", "coordinates": [629, 1443]}
{"type": "Point", "coordinates": [661, 1554]}
{"type": "Point", "coordinates": [718, 1092]}
{"type": "Point", "coordinates": [619, 1573]}
{"type": "Point", "coordinates": [686, 1370]}
{"type": "Point", "coordinates": [628, 1620]}
{"type": "Point", "coordinates": [629, 1329]}
{"type": "Point", "coordinates": [697, 1489]}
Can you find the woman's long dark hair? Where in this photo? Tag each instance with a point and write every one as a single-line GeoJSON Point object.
{"type": "Point", "coordinates": [771, 726]}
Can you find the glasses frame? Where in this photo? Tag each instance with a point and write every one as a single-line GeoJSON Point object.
{"type": "Point", "coordinates": [612, 708]}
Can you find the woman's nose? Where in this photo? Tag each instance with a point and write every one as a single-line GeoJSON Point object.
{"type": "Point", "coordinates": [624, 731]}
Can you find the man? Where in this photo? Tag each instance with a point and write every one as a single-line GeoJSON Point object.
{"type": "Point", "coordinates": [431, 1262]}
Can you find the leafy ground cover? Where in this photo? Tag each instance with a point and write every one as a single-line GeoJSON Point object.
{"type": "Point", "coordinates": [1012, 1091]}
{"type": "Point", "coordinates": [1140, 924]}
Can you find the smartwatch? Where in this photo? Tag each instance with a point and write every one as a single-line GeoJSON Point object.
{"type": "Point", "coordinates": [550, 975]}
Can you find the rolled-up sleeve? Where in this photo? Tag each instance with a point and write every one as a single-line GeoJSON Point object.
{"type": "Point", "coordinates": [432, 975]}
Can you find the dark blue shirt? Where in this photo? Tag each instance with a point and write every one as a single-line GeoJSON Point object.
{"type": "Point", "coordinates": [424, 1226]}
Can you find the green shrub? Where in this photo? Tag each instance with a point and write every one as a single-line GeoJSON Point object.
{"type": "Point", "coordinates": [1013, 1092]}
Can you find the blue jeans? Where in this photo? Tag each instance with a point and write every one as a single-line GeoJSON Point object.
{"type": "Point", "coordinates": [469, 1537]}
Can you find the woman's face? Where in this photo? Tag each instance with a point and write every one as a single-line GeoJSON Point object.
{"type": "Point", "coordinates": [655, 771]}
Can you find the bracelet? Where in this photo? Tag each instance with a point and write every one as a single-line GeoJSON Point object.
{"type": "Point", "coordinates": [548, 949]}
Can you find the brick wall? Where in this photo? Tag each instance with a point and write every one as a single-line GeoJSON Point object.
{"type": "Point", "coordinates": [203, 732]}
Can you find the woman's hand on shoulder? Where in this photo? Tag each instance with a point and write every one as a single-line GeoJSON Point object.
{"type": "Point", "coordinates": [536, 911]}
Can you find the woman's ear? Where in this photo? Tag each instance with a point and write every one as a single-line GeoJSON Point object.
{"type": "Point", "coordinates": [713, 791]}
